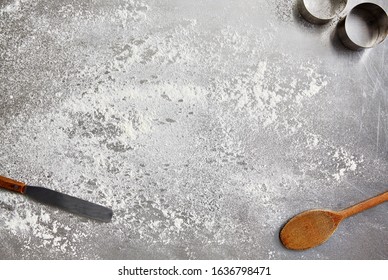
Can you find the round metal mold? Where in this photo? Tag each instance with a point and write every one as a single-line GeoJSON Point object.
{"type": "Point", "coordinates": [321, 11]}
{"type": "Point", "coordinates": [364, 27]}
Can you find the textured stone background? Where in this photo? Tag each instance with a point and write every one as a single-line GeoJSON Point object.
{"type": "Point", "coordinates": [205, 125]}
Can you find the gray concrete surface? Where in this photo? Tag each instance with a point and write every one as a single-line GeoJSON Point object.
{"type": "Point", "coordinates": [205, 125]}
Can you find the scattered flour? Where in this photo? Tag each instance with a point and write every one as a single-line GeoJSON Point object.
{"type": "Point", "coordinates": [265, 93]}
{"type": "Point", "coordinates": [344, 163]}
{"type": "Point", "coordinates": [32, 223]}
{"type": "Point", "coordinates": [12, 7]}
{"type": "Point", "coordinates": [284, 9]}
{"type": "Point", "coordinates": [154, 124]}
{"type": "Point", "coordinates": [312, 140]}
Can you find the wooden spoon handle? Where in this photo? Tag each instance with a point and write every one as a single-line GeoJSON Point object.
{"type": "Point", "coordinates": [364, 205]}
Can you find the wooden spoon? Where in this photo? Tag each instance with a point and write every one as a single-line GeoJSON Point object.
{"type": "Point", "coordinates": [312, 228]}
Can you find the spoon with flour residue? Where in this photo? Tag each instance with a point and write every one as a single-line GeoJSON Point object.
{"type": "Point", "coordinates": [312, 228]}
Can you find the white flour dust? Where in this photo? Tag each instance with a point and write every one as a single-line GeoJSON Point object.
{"type": "Point", "coordinates": [266, 93]}
{"type": "Point", "coordinates": [84, 137]}
{"type": "Point", "coordinates": [188, 126]}
{"type": "Point", "coordinates": [344, 163]}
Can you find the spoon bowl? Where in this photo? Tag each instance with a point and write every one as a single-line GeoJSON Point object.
{"type": "Point", "coordinates": [314, 227]}
{"type": "Point", "coordinates": [309, 229]}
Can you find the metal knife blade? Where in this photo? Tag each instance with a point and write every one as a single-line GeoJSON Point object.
{"type": "Point", "coordinates": [69, 203]}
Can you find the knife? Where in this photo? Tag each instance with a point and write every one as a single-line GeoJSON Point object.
{"type": "Point", "coordinates": [53, 198]}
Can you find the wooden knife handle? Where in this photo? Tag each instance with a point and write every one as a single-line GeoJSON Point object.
{"type": "Point", "coordinates": [12, 185]}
